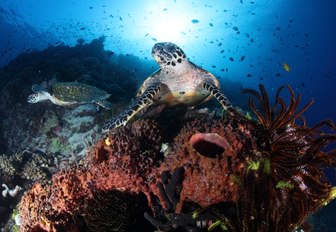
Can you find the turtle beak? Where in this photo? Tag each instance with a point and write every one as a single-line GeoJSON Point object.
{"type": "Point", "coordinates": [30, 99]}
{"type": "Point", "coordinates": [156, 58]}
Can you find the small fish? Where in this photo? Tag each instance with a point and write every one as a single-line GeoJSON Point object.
{"type": "Point", "coordinates": [195, 21]}
{"type": "Point", "coordinates": [287, 67]}
{"type": "Point", "coordinates": [277, 75]}
{"type": "Point", "coordinates": [242, 58]}
{"type": "Point", "coordinates": [214, 66]}
{"type": "Point", "coordinates": [235, 28]}
{"type": "Point", "coordinates": [231, 59]}
{"type": "Point", "coordinates": [146, 34]}
{"type": "Point", "coordinates": [120, 18]}
{"type": "Point", "coordinates": [210, 24]}
{"type": "Point", "coordinates": [83, 28]}
{"type": "Point", "coordinates": [154, 39]}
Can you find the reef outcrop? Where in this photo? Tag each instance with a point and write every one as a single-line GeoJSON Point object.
{"type": "Point", "coordinates": [131, 162]}
{"type": "Point", "coordinates": [202, 174]}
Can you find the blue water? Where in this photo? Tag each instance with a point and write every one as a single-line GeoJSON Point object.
{"type": "Point", "coordinates": [301, 33]}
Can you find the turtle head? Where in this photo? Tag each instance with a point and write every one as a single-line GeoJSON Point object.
{"type": "Point", "coordinates": [37, 97]}
{"type": "Point", "coordinates": [40, 94]}
{"type": "Point", "coordinates": [33, 98]}
{"type": "Point", "coordinates": [167, 54]}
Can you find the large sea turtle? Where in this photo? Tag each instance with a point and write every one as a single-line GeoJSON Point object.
{"type": "Point", "coordinates": [70, 93]}
{"type": "Point", "coordinates": [177, 82]}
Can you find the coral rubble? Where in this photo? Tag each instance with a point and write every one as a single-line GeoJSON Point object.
{"type": "Point", "coordinates": [217, 174]}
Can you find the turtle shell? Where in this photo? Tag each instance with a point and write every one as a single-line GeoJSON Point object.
{"type": "Point", "coordinates": [78, 92]}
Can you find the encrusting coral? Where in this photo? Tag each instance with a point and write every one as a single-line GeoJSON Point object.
{"type": "Point", "coordinates": [219, 174]}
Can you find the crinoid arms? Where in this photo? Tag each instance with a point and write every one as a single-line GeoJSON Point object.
{"type": "Point", "coordinates": [285, 182]}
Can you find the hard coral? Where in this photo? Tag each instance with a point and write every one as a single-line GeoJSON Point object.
{"type": "Point", "coordinates": [26, 165]}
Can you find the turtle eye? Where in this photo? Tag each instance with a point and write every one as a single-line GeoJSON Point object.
{"type": "Point", "coordinates": [31, 98]}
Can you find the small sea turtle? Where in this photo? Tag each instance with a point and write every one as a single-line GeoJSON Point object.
{"type": "Point", "coordinates": [70, 93]}
{"type": "Point", "coordinates": [177, 82]}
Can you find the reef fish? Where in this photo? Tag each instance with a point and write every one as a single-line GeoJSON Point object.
{"type": "Point", "coordinates": [287, 67]}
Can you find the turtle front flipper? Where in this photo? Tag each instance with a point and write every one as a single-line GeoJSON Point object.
{"type": "Point", "coordinates": [146, 99]}
{"type": "Point", "coordinates": [223, 100]}
{"type": "Point", "coordinates": [105, 104]}
{"type": "Point", "coordinates": [38, 88]}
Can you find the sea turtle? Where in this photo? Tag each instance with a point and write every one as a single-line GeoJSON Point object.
{"type": "Point", "coordinates": [177, 82]}
{"type": "Point", "coordinates": [70, 93]}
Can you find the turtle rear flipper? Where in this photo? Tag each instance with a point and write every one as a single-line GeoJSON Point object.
{"type": "Point", "coordinates": [146, 99]}
{"type": "Point", "coordinates": [105, 104]}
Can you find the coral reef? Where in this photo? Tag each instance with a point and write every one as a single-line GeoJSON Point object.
{"type": "Point", "coordinates": [17, 173]}
{"type": "Point", "coordinates": [264, 175]}
{"type": "Point", "coordinates": [61, 134]}
{"type": "Point", "coordinates": [131, 162]}
{"type": "Point", "coordinates": [53, 138]}
{"type": "Point", "coordinates": [87, 63]}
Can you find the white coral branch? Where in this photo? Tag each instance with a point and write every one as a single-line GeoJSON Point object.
{"type": "Point", "coordinates": [11, 192]}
